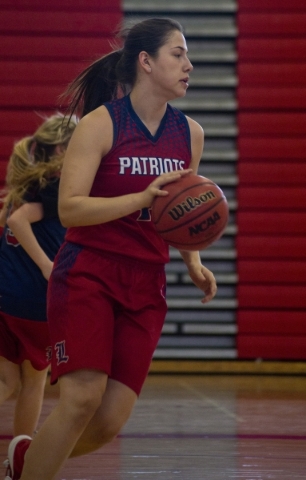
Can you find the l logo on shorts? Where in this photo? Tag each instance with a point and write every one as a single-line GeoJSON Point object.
{"type": "Point", "coordinates": [60, 352]}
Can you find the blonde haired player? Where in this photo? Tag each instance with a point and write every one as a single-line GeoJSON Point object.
{"type": "Point", "coordinates": [31, 237]}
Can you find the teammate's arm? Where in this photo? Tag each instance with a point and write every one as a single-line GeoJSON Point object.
{"type": "Point", "coordinates": [20, 223]}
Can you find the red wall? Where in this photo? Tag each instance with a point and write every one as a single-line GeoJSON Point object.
{"type": "Point", "coordinates": [43, 46]}
{"type": "Point", "coordinates": [271, 218]}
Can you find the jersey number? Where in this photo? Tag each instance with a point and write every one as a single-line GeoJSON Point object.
{"type": "Point", "coordinates": [145, 215]}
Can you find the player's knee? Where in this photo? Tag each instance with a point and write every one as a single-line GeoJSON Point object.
{"type": "Point", "coordinates": [111, 431]}
{"type": "Point", "coordinates": [102, 437]}
{"type": "Point", "coordinates": [108, 430]}
{"type": "Point", "coordinates": [83, 406]}
{"type": "Point", "coordinates": [88, 405]}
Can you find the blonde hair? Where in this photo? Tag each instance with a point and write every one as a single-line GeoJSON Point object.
{"type": "Point", "coordinates": [35, 159]}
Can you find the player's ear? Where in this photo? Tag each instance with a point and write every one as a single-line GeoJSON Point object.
{"type": "Point", "coordinates": [144, 61]}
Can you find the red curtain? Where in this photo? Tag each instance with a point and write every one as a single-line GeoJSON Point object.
{"type": "Point", "coordinates": [271, 215]}
{"type": "Point", "coordinates": [43, 46]}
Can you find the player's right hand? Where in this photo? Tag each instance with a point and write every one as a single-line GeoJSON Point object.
{"type": "Point", "coordinates": [155, 188]}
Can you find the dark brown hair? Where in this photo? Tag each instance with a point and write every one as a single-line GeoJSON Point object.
{"type": "Point", "coordinates": [116, 71]}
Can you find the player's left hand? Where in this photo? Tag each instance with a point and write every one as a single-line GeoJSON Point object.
{"type": "Point", "coordinates": [204, 280]}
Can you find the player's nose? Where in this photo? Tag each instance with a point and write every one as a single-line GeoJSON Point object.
{"type": "Point", "coordinates": [189, 66]}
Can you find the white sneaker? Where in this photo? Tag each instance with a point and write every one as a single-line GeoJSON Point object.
{"type": "Point", "coordinates": [8, 473]}
{"type": "Point", "coordinates": [16, 452]}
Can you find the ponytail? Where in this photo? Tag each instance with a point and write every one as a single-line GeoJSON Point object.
{"type": "Point", "coordinates": [96, 85]}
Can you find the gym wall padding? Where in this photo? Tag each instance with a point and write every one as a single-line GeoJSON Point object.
{"type": "Point", "coordinates": [271, 217]}
{"type": "Point", "coordinates": [43, 46]}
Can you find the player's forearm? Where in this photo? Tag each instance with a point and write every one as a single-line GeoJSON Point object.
{"type": "Point", "coordinates": [23, 232]}
{"type": "Point", "coordinates": [190, 258]}
{"type": "Point", "coordinates": [81, 211]}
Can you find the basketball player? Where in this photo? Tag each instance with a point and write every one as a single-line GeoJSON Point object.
{"type": "Point", "coordinates": [31, 237]}
{"type": "Point", "coordinates": [106, 297]}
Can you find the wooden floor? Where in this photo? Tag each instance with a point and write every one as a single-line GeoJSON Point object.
{"type": "Point", "coordinates": [190, 427]}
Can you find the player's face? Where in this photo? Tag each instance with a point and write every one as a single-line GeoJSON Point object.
{"type": "Point", "coordinates": [171, 68]}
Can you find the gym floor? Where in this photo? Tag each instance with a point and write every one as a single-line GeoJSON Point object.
{"type": "Point", "coordinates": [190, 427]}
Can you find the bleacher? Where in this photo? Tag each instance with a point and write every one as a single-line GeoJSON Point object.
{"type": "Point", "coordinates": [194, 331]}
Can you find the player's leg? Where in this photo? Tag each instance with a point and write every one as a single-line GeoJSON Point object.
{"type": "Point", "coordinates": [23, 346]}
{"type": "Point", "coordinates": [116, 407]}
{"type": "Point", "coordinates": [9, 378]}
{"type": "Point", "coordinates": [9, 361]}
{"type": "Point", "coordinates": [29, 399]}
{"type": "Point", "coordinates": [80, 396]}
{"type": "Point", "coordinates": [137, 330]}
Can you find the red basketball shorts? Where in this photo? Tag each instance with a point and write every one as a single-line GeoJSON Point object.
{"type": "Point", "coordinates": [105, 313]}
{"type": "Point", "coordinates": [22, 339]}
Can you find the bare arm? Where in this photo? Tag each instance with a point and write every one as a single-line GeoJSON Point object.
{"type": "Point", "coordinates": [20, 224]}
{"type": "Point", "coordinates": [201, 276]}
{"type": "Point", "coordinates": [90, 142]}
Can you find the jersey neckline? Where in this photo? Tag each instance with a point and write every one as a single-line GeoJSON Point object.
{"type": "Point", "coordinates": [141, 125]}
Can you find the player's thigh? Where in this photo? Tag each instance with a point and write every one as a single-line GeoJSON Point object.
{"type": "Point", "coordinates": [136, 337]}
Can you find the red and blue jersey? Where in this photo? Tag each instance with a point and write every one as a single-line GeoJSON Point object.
{"type": "Point", "coordinates": [23, 289]}
{"type": "Point", "coordinates": [134, 161]}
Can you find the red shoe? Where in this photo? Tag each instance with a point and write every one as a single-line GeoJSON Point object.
{"type": "Point", "coordinates": [16, 453]}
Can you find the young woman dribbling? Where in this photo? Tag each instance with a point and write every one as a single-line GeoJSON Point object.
{"type": "Point", "coordinates": [106, 298]}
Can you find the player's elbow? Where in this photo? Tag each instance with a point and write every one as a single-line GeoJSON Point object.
{"type": "Point", "coordinates": [12, 220]}
{"type": "Point", "coordinates": [67, 212]}
{"type": "Point", "coordinates": [64, 217]}
{"type": "Point", "coordinates": [63, 213]}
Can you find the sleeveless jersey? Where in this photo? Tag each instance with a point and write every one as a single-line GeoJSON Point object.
{"type": "Point", "coordinates": [134, 161]}
{"type": "Point", "coordinates": [23, 289]}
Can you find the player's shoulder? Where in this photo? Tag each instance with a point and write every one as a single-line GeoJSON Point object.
{"type": "Point", "coordinates": [97, 117]}
{"type": "Point", "coordinates": [196, 129]}
{"type": "Point", "coordinates": [94, 127]}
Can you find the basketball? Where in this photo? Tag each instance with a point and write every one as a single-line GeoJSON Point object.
{"type": "Point", "coordinates": [194, 214]}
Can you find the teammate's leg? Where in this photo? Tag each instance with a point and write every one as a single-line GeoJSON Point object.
{"type": "Point", "coordinates": [29, 399]}
{"type": "Point", "coordinates": [9, 378]}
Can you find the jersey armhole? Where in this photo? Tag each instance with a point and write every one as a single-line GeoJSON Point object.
{"type": "Point", "coordinates": [110, 110]}
{"type": "Point", "coordinates": [188, 135]}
